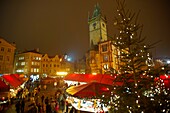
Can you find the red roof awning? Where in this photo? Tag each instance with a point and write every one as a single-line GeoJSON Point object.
{"type": "Point", "coordinates": [14, 82]}
{"type": "Point", "coordinates": [101, 78]}
{"type": "Point", "coordinates": [90, 90]}
{"type": "Point", "coordinates": [3, 86]}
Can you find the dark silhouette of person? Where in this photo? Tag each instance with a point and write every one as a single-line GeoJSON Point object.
{"type": "Point", "coordinates": [46, 100]}
{"type": "Point", "coordinates": [48, 108]}
{"type": "Point", "coordinates": [42, 98]}
{"type": "Point", "coordinates": [18, 107]}
{"type": "Point", "coordinates": [22, 105]}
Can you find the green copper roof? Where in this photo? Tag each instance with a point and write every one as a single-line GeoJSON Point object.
{"type": "Point", "coordinates": [97, 11]}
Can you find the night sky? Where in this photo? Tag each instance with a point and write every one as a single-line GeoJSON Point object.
{"type": "Point", "coordinates": [61, 26]}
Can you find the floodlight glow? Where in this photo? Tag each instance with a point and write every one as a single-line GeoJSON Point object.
{"type": "Point", "coordinates": [168, 62]}
{"type": "Point", "coordinates": [61, 73]}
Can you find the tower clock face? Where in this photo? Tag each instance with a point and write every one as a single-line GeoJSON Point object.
{"type": "Point", "coordinates": [105, 58]}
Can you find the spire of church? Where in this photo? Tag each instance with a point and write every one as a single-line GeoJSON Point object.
{"type": "Point", "coordinates": [97, 11]}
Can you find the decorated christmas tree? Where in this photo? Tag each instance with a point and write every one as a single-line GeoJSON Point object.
{"type": "Point", "coordinates": [137, 92]}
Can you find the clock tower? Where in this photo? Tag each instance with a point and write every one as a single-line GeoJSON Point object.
{"type": "Point", "coordinates": [97, 27]}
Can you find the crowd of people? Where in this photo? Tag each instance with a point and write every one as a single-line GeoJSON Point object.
{"type": "Point", "coordinates": [40, 102]}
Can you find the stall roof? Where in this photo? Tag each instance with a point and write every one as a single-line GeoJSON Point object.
{"type": "Point", "coordinates": [90, 90]}
{"type": "Point", "coordinates": [101, 78]}
{"type": "Point", "coordinates": [3, 86]}
{"type": "Point", "coordinates": [17, 76]}
{"type": "Point", "coordinates": [14, 82]}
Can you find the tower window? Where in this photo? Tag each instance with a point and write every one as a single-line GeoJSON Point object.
{"type": "Point", "coordinates": [103, 25]}
{"type": "Point", "coordinates": [106, 66]}
{"type": "Point", "coordinates": [94, 25]}
{"type": "Point", "coordinates": [104, 48]}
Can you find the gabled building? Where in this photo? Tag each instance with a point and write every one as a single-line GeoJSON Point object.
{"type": "Point", "coordinates": [101, 57]}
{"type": "Point", "coordinates": [56, 65]}
{"type": "Point", "coordinates": [7, 51]}
{"type": "Point", "coordinates": [50, 65]}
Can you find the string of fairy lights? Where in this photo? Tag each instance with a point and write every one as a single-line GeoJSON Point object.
{"type": "Point", "coordinates": [132, 51]}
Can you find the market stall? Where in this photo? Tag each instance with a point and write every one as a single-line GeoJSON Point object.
{"type": "Point", "coordinates": [87, 105]}
{"type": "Point", "coordinates": [87, 97]}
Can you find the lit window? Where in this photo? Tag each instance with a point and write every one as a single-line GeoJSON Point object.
{"type": "Point", "coordinates": [22, 63]}
{"type": "Point", "coordinates": [33, 63]}
{"type": "Point", "coordinates": [21, 58]}
{"type": "Point", "coordinates": [106, 66]}
{"type": "Point", "coordinates": [31, 69]}
{"type": "Point", "coordinates": [20, 70]}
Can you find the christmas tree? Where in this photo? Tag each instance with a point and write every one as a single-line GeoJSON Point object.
{"type": "Point", "coordinates": [137, 92]}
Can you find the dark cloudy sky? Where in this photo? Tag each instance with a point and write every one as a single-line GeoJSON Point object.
{"type": "Point", "coordinates": [61, 26]}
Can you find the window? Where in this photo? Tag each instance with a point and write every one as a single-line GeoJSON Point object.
{"type": "Point", "coordinates": [22, 63]}
{"type": "Point", "coordinates": [1, 57]}
{"type": "Point", "coordinates": [103, 25]}
{"type": "Point", "coordinates": [9, 49]}
{"type": "Point", "coordinates": [94, 25]}
{"type": "Point", "coordinates": [32, 63]}
{"type": "Point", "coordinates": [16, 64]}
{"type": "Point", "coordinates": [21, 58]}
{"type": "Point", "coordinates": [2, 49]}
{"type": "Point", "coordinates": [8, 58]}
{"type": "Point", "coordinates": [35, 70]}
{"type": "Point", "coordinates": [104, 48]}
{"type": "Point", "coordinates": [105, 66]}
{"type": "Point", "coordinates": [31, 69]}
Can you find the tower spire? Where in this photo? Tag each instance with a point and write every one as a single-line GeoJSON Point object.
{"type": "Point", "coordinates": [97, 10]}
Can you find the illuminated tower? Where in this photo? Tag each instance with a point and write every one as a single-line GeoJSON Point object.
{"type": "Point", "coordinates": [97, 27]}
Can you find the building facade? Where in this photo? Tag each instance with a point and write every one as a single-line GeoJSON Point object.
{"type": "Point", "coordinates": [7, 52]}
{"type": "Point", "coordinates": [56, 65]}
{"type": "Point", "coordinates": [50, 65]}
{"type": "Point", "coordinates": [28, 63]}
{"type": "Point", "coordinates": [33, 63]}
